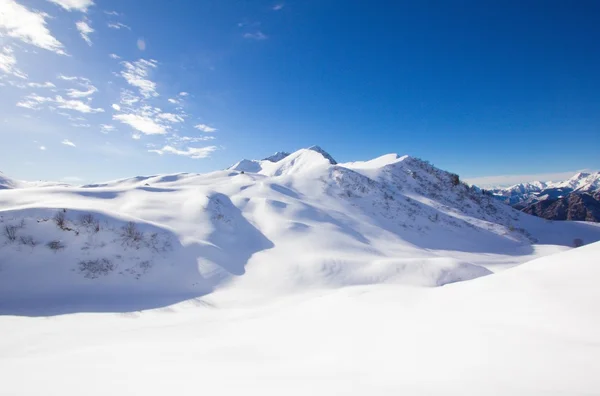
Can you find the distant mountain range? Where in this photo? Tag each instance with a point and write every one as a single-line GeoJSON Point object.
{"type": "Point", "coordinates": [577, 198]}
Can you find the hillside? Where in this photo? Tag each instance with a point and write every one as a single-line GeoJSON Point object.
{"type": "Point", "coordinates": [295, 222]}
{"type": "Point", "coordinates": [529, 330]}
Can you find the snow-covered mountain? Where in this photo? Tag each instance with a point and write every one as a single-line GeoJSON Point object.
{"type": "Point", "coordinates": [527, 193]}
{"type": "Point", "coordinates": [572, 199]}
{"type": "Point", "coordinates": [301, 221]}
{"type": "Point", "coordinates": [297, 275]}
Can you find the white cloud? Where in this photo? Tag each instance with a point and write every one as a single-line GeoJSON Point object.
{"type": "Point", "coordinates": [170, 117]}
{"type": "Point", "coordinates": [136, 74]}
{"type": "Point", "coordinates": [46, 84]}
{"type": "Point", "coordinates": [205, 128]}
{"type": "Point", "coordinates": [113, 13]}
{"type": "Point", "coordinates": [141, 44]}
{"type": "Point", "coordinates": [183, 94]}
{"type": "Point", "coordinates": [106, 128]}
{"type": "Point", "coordinates": [190, 139]}
{"type": "Point", "coordinates": [43, 148]}
{"type": "Point", "coordinates": [28, 26]}
{"type": "Point", "coordinates": [142, 123]}
{"type": "Point", "coordinates": [8, 63]}
{"type": "Point", "coordinates": [192, 152]}
{"type": "Point", "coordinates": [174, 101]}
{"type": "Point", "coordinates": [74, 5]}
{"type": "Point", "coordinates": [76, 105]}
{"type": "Point", "coordinates": [84, 30]}
{"type": "Point", "coordinates": [116, 107]}
{"type": "Point", "coordinates": [67, 142]}
{"type": "Point", "coordinates": [81, 125]}
{"type": "Point", "coordinates": [80, 80]}
{"type": "Point", "coordinates": [34, 102]}
{"type": "Point", "coordinates": [75, 93]}
{"type": "Point", "coordinates": [118, 25]}
{"type": "Point", "coordinates": [277, 7]}
{"type": "Point", "coordinates": [114, 56]}
{"type": "Point", "coordinates": [256, 36]}
{"type": "Point", "coordinates": [510, 180]}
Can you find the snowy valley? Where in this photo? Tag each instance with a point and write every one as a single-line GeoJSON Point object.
{"type": "Point", "coordinates": [271, 270]}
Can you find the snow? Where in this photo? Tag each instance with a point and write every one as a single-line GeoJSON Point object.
{"type": "Point", "coordinates": [299, 275]}
{"type": "Point", "coordinates": [530, 330]}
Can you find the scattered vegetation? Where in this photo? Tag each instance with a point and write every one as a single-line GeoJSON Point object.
{"type": "Point", "coordinates": [27, 240]}
{"type": "Point", "coordinates": [89, 222]}
{"type": "Point", "coordinates": [10, 232]}
{"type": "Point", "coordinates": [93, 269]}
{"type": "Point", "coordinates": [60, 219]}
{"type": "Point", "coordinates": [454, 179]}
{"type": "Point", "coordinates": [55, 245]}
{"type": "Point", "coordinates": [131, 235]}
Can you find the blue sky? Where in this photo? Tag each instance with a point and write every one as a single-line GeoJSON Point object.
{"type": "Point", "coordinates": [94, 90]}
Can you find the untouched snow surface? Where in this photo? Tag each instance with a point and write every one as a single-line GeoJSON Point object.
{"type": "Point", "coordinates": [298, 276]}
{"type": "Point", "coordinates": [530, 330]}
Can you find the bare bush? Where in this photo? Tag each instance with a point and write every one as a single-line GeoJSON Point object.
{"type": "Point", "coordinates": [93, 269]}
{"type": "Point", "coordinates": [159, 243]}
{"type": "Point", "coordinates": [27, 240]}
{"type": "Point", "coordinates": [578, 242]}
{"type": "Point", "coordinates": [88, 221]}
{"type": "Point", "coordinates": [60, 219]}
{"type": "Point", "coordinates": [131, 235]}
{"type": "Point", "coordinates": [55, 245]}
{"type": "Point", "coordinates": [10, 232]}
{"type": "Point", "coordinates": [454, 179]}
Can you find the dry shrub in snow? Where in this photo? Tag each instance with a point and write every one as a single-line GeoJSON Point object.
{"type": "Point", "coordinates": [55, 245]}
{"type": "Point", "coordinates": [578, 242]}
{"type": "Point", "coordinates": [95, 268]}
{"type": "Point", "coordinates": [60, 219]}
{"type": "Point", "coordinates": [27, 240]}
{"type": "Point", "coordinates": [88, 221]}
{"type": "Point", "coordinates": [10, 232]}
{"type": "Point", "coordinates": [131, 235]}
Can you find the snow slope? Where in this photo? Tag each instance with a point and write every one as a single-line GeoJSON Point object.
{"type": "Point", "coordinates": [530, 330]}
{"type": "Point", "coordinates": [302, 222]}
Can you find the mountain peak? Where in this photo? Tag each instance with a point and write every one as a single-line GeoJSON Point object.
{"type": "Point", "coordinates": [323, 153]}
{"type": "Point", "coordinates": [278, 156]}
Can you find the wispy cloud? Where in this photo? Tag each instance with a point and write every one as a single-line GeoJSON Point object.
{"type": "Point", "coordinates": [112, 13]}
{"type": "Point", "coordinates": [117, 25]}
{"type": "Point", "coordinates": [19, 22]}
{"type": "Point", "coordinates": [106, 128]}
{"type": "Point", "coordinates": [76, 93]}
{"type": "Point", "coordinates": [205, 128]}
{"type": "Point", "coordinates": [85, 30]}
{"type": "Point", "coordinates": [67, 142]}
{"type": "Point", "coordinates": [258, 35]}
{"type": "Point", "coordinates": [35, 102]}
{"type": "Point", "coordinates": [171, 117]}
{"type": "Point", "coordinates": [76, 105]}
{"type": "Point", "coordinates": [43, 148]}
{"type": "Point", "coordinates": [74, 5]}
{"type": "Point", "coordinates": [141, 123]}
{"type": "Point", "coordinates": [8, 63]}
{"type": "Point", "coordinates": [114, 56]}
{"type": "Point", "coordinates": [278, 7]}
{"type": "Point", "coordinates": [191, 152]}
{"type": "Point", "coordinates": [136, 74]}
{"type": "Point", "coordinates": [46, 84]}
